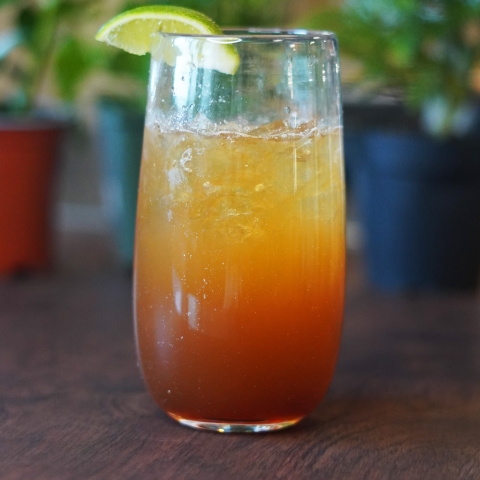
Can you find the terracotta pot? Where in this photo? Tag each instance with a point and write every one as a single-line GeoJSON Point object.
{"type": "Point", "coordinates": [28, 154]}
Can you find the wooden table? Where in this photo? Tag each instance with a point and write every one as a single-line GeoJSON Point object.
{"type": "Point", "coordinates": [405, 401]}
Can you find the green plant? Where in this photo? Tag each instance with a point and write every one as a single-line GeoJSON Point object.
{"type": "Point", "coordinates": [27, 47]}
{"type": "Point", "coordinates": [428, 50]}
{"type": "Point", "coordinates": [79, 56]}
{"type": "Point", "coordinates": [45, 42]}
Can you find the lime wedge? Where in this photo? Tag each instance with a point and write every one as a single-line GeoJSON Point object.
{"type": "Point", "coordinates": [133, 30]}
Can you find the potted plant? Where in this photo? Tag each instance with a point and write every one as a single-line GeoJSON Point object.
{"type": "Point", "coordinates": [417, 169]}
{"type": "Point", "coordinates": [30, 130]}
{"type": "Point", "coordinates": [49, 46]}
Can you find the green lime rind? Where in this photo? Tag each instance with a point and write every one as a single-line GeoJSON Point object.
{"type": "Point", "coordinates": [133, 30]}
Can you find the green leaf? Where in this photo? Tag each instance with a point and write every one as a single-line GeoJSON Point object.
{"type": "Point", "coordinates": [330, 19]}
{"type": "Point", "coordinates": [134, 66]}
{"type": "Point", "coordinates": [72, 64]}
{"type": "Point", "coordinates": [404, 49]}
{"type": "Point", "coordinates": [75, 9]}
{"type": "Point", "coordinates": [27, 22]}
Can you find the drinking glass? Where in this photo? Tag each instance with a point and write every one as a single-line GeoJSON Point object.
{"type": "Point", "coordinates": [240, 237]}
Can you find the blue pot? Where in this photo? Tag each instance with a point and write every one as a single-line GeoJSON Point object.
{"type": "Point", "coordinates": [120, 136]}
{"type": "Point", "coordinates": [420, 203]}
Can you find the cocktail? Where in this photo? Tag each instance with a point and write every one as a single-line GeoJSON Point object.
{"type": "Point", "coordinates": [240, 238]}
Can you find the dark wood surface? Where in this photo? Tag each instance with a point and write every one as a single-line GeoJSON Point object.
{"type": "Point", "coordinates": [404, 404]}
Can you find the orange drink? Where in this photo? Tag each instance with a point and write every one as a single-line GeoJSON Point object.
{"type": "Point", "coordinates": [239, 276]}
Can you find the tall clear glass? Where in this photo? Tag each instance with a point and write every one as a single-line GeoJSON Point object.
{"type": "Point", "coordinates": [240, 236]}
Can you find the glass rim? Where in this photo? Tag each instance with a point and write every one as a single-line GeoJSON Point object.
{"type": "Point", "coordinates": [277, 35]}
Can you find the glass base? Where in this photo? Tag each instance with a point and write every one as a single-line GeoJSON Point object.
{"type": "Point", "coordinates": [235, 427]}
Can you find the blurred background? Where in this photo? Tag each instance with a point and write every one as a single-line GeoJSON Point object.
{"type": "Point", "coordinates": [411, 85]}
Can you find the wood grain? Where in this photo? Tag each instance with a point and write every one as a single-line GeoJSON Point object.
{"type": "Point", "coordinates": [404, 404]}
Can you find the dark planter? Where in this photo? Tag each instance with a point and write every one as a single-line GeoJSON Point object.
{"type": "Point", "coordinates": [362, 118]}
{"type": "Point", "coordinates": [29, 150]}
{"type": "Point", "coordinates": [420, 205]}
{"type": "Point", "coordinates": [120, 135]}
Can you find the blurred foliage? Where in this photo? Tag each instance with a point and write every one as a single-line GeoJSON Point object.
{"type": "Point", "coordinates": [428, 50]}
{"type": "Point", "coordinates": [239, 13]}
{"type": "Point", "coordinates": [28, 47]}
{"type": "Point", "coordinates": [49, 36]}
